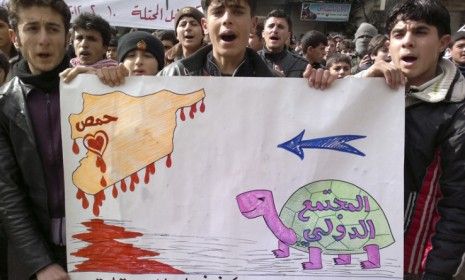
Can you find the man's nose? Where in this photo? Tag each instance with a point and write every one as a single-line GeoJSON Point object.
{"type": "Point", "coordinates": [43, 36]}
{"type": "Point", "coordinates": [227, 17]}
{"type": "Point", "coordinates": [138, 59]}
{"type": "Point", "coordinates": [408, 39]}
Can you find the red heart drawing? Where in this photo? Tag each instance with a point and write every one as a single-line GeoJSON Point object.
{"type": "Point", "coordinates": [96, 143]}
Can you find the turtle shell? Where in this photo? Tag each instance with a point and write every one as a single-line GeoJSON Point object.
{"type": "Point", "coordinates": [336, 216]}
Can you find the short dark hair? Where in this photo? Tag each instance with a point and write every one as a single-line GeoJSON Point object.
{"type": "Point", "coordinates": [168, 35]}
{"type": "Point", "coordinates": [89, 21]}
{"type": "Point", "coordinates": [313, 39]}
{"type": "Point", "coordinates": [280, 14]}
{"type": "Point", "coordinates": [113, 42]}
{"type": "Point", "coordinates": [376, 43]}
{"type": "Point", "coordinates": [431, 12]}
{"type": "Point", "coordinates": [348, 44]}
{"type": "Point", "coordinates": [459, 35]}
{"type": "Point", "coordinates": [58, 6]}
{"type": "Point", "coordinates": [260, 26]}
{"type": "Point", "coordinates": [4, 15]}
{"type": "Point", "coordinates": [252, 5]}
{"type": "Point", "coordinates": [337, 58]}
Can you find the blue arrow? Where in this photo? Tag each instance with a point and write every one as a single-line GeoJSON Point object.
{"type": "Point", "coordinates": [337, 143]}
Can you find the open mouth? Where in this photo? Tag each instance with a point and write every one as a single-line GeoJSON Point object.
{"type": "Point", "coordinates": [84, 53]}
{"type": "Point", "coordinates": [274, 38]}
{"type": "Point", "coordinates": [189, 37]}
{"type": "Point", "coordinates": [409, 59]}
{"type": "Point", "coordinates": [228, 36]}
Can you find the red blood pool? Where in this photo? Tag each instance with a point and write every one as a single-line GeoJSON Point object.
{"type": "Point", "coordinates": [105, 252]}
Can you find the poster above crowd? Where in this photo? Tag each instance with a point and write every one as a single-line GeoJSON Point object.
{"type": "Point", "coordinates": [337, 12]}
{"type": "Point", "coordinates": [150, 14]}
{"type": "Point", "coordinates": [206, 178]}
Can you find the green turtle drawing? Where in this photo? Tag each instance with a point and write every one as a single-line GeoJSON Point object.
{"type": "Point", "coordinates": [330, 217]}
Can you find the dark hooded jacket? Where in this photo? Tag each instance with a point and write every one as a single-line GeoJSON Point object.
{"type": "Point", "coordinates": [202, 63]}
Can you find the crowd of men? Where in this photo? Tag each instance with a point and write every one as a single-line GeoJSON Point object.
{"type": "Point", "coordinates": [228, 40]}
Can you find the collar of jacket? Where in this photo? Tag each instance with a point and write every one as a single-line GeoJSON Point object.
{"type": "Point", "coordinates": [14, 95]}
{"type": "Point", "coordinates": [275, 57]}
{"type": "Point", "coordinates": [441, 87]}
{"type": "Point", "coordinates": [199, 59]}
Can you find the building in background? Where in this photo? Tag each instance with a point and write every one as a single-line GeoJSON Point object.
{"type": "Point", "coordinates": [331, 15]}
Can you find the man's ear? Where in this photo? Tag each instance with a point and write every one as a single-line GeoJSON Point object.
{"type": "Point", "coordinates": [203, 22]}
{"type": "Point", "coordinates": [68, 39]}
{"type": "Point", "coordinates": [14, 38]}
{"type": "Point", "coordinates": [308, 52]}
{"type": "Point", "coordinates": [445, 41]}
{"type": "Point", "coordinates": [253, 27]}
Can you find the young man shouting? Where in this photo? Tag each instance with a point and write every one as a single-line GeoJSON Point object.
{"type": "Point", "coordinates": [434, 180]}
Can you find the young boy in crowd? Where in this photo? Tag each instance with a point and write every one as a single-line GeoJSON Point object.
{"type": "Point", "coordinates": [92, 36]}
{"type": "Point", "coordinates": [188, 28]}
{"type": "Point", "coordinates": [339, 65]}
{"type": "Point", "coordinates": [378, 49]}
{"type": "Point", "coordinates": [6, 45]}
{"type": "Point", "coordinates": [314, 48]}
{"type": "Point", "coordinates": [111, 50]}
{"type": "Point", "coordinates": [141, 53]}
{"type": "Point", "coordinates": [228, 24]}
{"type": "Point", "coordinates": [457, 52]}
{"type": "Point", "coordinates": [434, 180]}
{"type": "Point", "coordinates": [256, 41]}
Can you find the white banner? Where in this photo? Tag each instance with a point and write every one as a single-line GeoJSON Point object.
{"type": "Point", "coordinates": [151, 14]}
{"type": "Point", "coordinates": [233, 178]}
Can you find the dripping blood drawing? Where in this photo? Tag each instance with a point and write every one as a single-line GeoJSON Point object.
{"type": "Point", "coordinates": [122, 144]}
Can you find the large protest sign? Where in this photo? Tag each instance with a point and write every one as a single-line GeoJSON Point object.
{"type": "Point", "coordinates": [233, 178]}
{"type": "Point", "coordinates": [152, 14]}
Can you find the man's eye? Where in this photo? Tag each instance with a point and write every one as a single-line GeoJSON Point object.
{"type": "Point", "coordinates": [238, 12]}
{"type": "Point", "coordinates": [31, 28]}
{"type": "Point", "coordinates": [218, 12]}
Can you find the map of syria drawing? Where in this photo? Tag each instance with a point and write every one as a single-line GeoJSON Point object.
{"type": "Point", "coordinates": [145, 135]}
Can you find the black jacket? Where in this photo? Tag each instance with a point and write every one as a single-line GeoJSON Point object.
{"type": "Point", "coordinates": [435, 178]}
{"type": "Point", "coordinates": [23, 194]}
{"type": "Point", "coordinates": [291, 64]}
{"type": "Point", "coordinates": [201, 64]}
